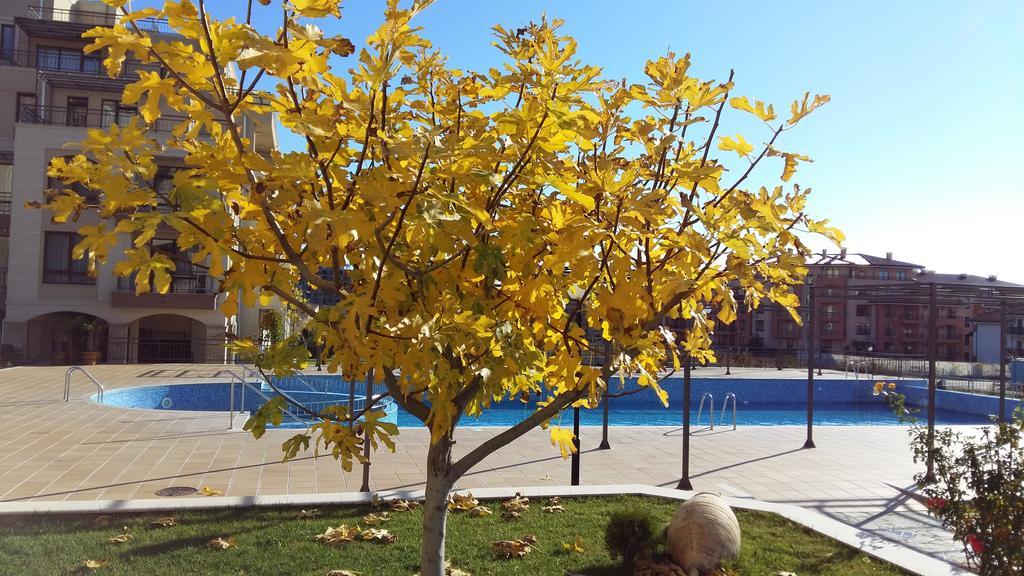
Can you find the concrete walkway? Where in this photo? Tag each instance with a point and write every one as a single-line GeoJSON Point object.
{"type": "Point", "coordinates": [52, 450]}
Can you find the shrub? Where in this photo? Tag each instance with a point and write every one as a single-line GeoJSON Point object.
{"type": "Point", "coordinates": [630, 535]}
{"type": "Point", "coordinates": [977, 488]}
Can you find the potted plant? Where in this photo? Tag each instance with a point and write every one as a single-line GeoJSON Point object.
{"type": "Point", "coordinates": [91, 354]}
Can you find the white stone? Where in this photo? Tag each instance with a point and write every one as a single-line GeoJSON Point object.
{"type": "Point", "coordinates": [703, 533]}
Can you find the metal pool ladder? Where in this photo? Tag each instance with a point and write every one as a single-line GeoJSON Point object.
{"type": "Point", "coordinates": [725, 404]}
{"type": "Point", "coordinates": [711, 407]}
{"type": "Point", "coordinates": [67, 383]}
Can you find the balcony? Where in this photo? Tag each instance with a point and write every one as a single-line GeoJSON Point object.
{"type": "Point", "coordinates": [89, 117]}
{"type": "Point", "coordinates": [186, 292]}
{"type": "Point", "coordinates": [70, 23]}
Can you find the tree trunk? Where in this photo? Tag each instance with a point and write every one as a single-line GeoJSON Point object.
{"type": "Point", "coordinates": [435, 508]}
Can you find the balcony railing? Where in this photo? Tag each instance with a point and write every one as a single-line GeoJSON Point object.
{"type": "Point", "coordinates": [70, 61]}
{"type": "Point", "coordinates": [95, 18]}
{"type": "Point", "coordinates": [184, 284]}
{"type": "Point", "coordinates": [88, 117]}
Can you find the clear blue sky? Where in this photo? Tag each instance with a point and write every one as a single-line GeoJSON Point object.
{"type": "Point", "coordinates": [919, 152]}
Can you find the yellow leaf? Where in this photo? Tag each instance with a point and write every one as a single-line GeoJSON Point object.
{"type": "Point", "coordinates": [563, 438]}
{"type": "Point", "coordinates": [759, 109]}
{"type": "Point", "coordinates": [207, 491]}
{"type": "Point", "coordinates": [739, 145]}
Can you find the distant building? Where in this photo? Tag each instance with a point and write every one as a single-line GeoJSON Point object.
{"type": "Point", "coordinates": [845, 323]}
{"type": "Point", "coordinates": [985, 345]}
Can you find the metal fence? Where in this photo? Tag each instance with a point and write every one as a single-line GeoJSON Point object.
{"type": "Point", "coordinates": [161, 350]}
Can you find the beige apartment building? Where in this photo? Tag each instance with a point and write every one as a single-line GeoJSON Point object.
{"type": "Point", "coordinates": [53, 311]}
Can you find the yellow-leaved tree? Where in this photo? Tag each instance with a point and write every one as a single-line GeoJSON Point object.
{"type": "Point", "coordinates": [460, 220]}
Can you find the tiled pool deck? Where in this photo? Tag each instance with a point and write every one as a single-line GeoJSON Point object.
{"type": "Point", "coordinates": [52, 450]}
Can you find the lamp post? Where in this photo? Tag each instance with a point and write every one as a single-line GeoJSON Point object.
{"type": "Point", "coordinates": [809, 443]}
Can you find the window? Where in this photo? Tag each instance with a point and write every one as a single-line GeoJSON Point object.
{"type": "Point", "coordinates": [901, 274]}
{"type": "Point", "coordinates": [758, 325]}
{"type": "Point", "coordinates": [863, 310]}
{"type": "Point", "coordinates": [59, 265]}
{"type": "Point", "coordinates": [189, 278]}
{"type": "Point", "coordinates": [25, 110]}
{"type": "Point", "coordinates": [66, 60]}
{"type": "Point", "coordinates": [113, 112]}
{"type": "Point", "coordinates": [863, 329]}
{"type": "Point", "coordinates": [883, 274]}
{"type": "Point", "coordinates": [78, 111]}
{"type": "Point", "coordinates": [6, 42]}
{"type": "Point", "coordinates": [862, 273]}
{"type": "Point", "coordinates": [951, 313]}
{"type": "Point", "coordinates": [829, 328]}
{"type": "Point", "coordinates": [57, 185]}
{"type": "Point", "coordinates": [888, 311]}
{"type": "Point", "coordinates": [6, 181]}
{"type": "Point", "coordinates": [830, 311]}
{"type": "Point", "coordinates": [888, 329]}
{"type": "Point", "coordinates": [831, 272]}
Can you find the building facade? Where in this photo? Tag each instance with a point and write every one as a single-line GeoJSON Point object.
{"type": "Point", "coordinates": [53, 309]}
{"type": "Point", "coordinates": [985, 342]}
{"type": "Point", "coordinates": [845, 323]}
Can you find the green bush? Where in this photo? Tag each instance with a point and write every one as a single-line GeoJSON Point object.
{"type": "Point", "coordinates": [630, 535]}
{"type": "Point", "coordinates": [977, 487]}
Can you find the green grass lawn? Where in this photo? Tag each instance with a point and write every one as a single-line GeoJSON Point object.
{"type": "Point", "coordinates": [274, 542]}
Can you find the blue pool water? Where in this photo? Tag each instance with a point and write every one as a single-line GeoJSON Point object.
{"type": "Point", "coordinates": [760, 402]}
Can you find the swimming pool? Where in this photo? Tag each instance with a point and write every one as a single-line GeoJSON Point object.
{"type": "Point", "coordinates": [760, 402]}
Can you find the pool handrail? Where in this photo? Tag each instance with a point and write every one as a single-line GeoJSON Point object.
{"type": "Point", "coordinates": [67, 383]}
{"type": "Point", "coordinates": [246, 384]}
{"type": "Point", "coordinates": [711, 406]}
{"type": "Point", "coordinates": [725, 404]}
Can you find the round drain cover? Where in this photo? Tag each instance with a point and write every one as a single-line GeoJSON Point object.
{"type": "Point", "coordinates": [176, 491]}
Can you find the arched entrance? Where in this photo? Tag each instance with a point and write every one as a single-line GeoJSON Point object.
{"type": "Point", "coordinates": [169, 338]}
{"type": "Point", "coordinates": [62, 338]}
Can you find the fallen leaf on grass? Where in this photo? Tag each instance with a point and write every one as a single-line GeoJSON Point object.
{"type": "Point", "coordinates": [337, 536]}
{"type": "Point", "coordinates": [343, 573]}
{"type": "Point", "coordinates": [376, 519]}
{"type": "Point", "coordinates": [517, 503]}
{"type": "Point", "coordinates": [480, 511]}
{"type": "Point", "coordinates": [207, 491]}
{"type": "Point", "coordinates": [222, 543]}
{"type": "Point", "coordinates": [311, 513]}
{"type": "Point", "coordinates": [511, 515]}
{"type": "Point", "coordinates": [458, 502]}
{"type": "Point", "coordinates": [554, 500]}
{"type": "Point", "coordinates": [553, 508]}
{"type": "Point", "coordinates": [404, 505]}
{"type": "Point", "coordinates": [94, 564]}
{"type": "Point", "coordinates": [449, 570]}
{"type": "Point", "coordinates": [164, 522]}
{"type": "Point", "coordinates": [378, 535]}
{"type": "Point", "coordinates": [120, 538]}
{"type": "Point", "coordinates": [574, 547]}
{"type": "Point", "coordinates": [512, 548]}
{"type": "Point", "coordinates": [784, 573]}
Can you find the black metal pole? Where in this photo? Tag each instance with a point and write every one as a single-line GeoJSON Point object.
{"type": "Point", "coordinates": [575, 469]}
{"type": "Point", "coordinates": [366, 437]}
{"type": "Point", "coordinates": [727, 372]}
{"type": "Point", "coordinates": [809, 443]}
{"type": "Point", "coordinates": [604, 427]}
{"type": "Point", "coordinates": [684, 482]}
{"type": "Point", "coordinates": [1002, 361]}
{"type": "Point", "coordinates": [932, 384]}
